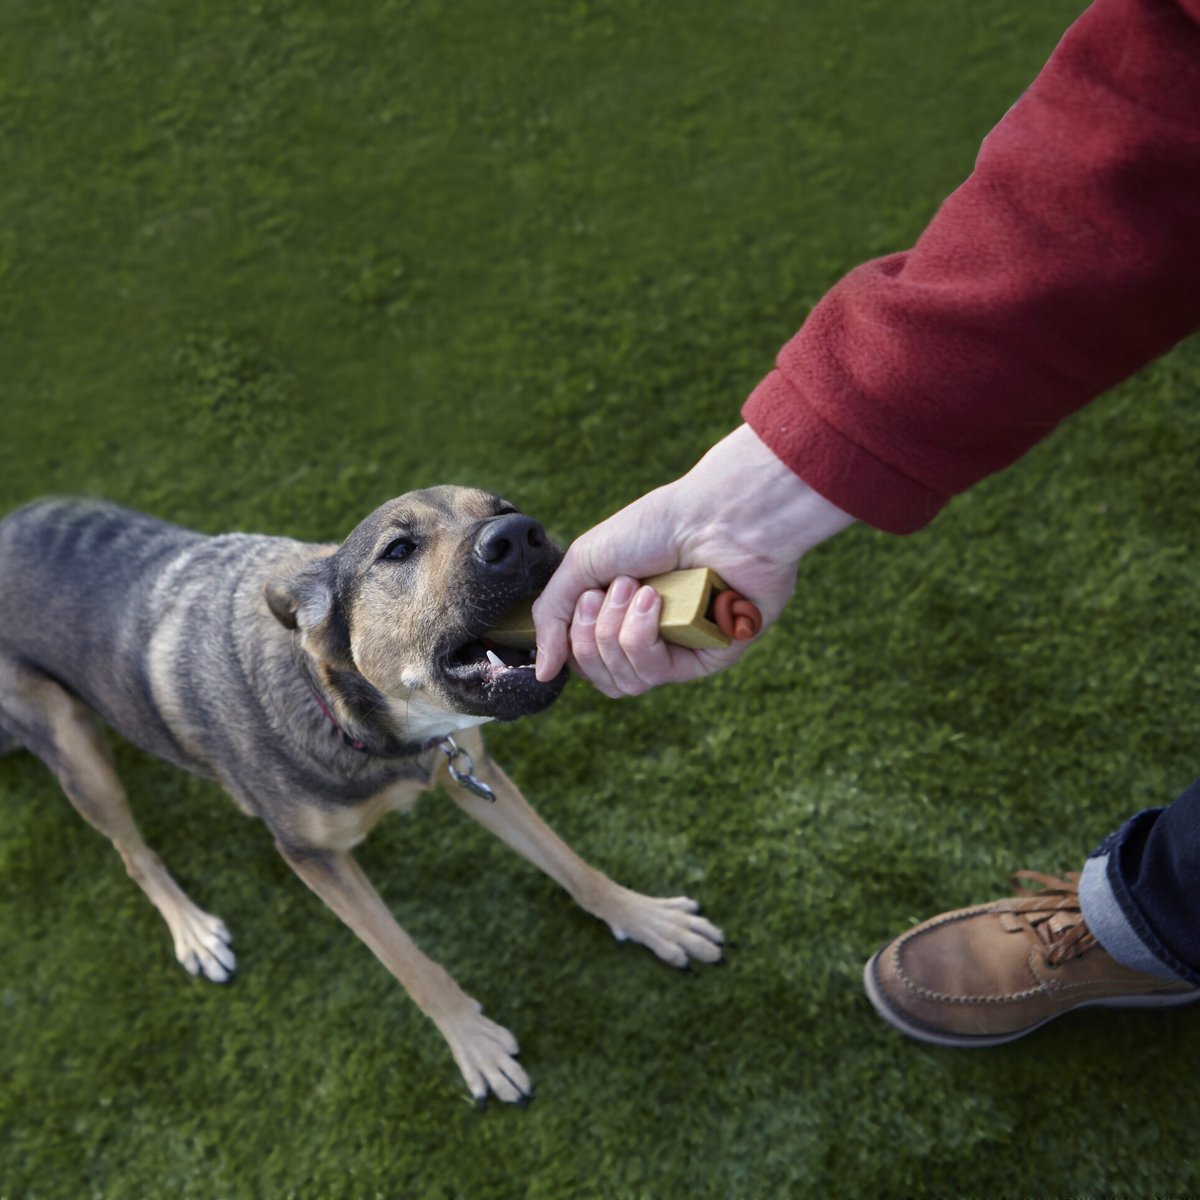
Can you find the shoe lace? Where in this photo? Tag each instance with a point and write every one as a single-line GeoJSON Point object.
{"type": "Point", "coordinates": [1049, 905]}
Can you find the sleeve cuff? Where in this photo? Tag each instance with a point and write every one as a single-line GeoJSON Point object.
{"type": "Point", "coordinates": [830, 463]}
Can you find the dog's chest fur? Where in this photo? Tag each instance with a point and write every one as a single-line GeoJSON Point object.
{"type": "Point", "coordinates": [342, 827]}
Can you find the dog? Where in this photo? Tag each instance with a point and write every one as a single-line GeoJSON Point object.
{"type": "Point", "coordinates": [323, 686]}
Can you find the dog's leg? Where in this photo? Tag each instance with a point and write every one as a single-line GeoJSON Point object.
{"type": "Point", "coordinates": [484, 1051]}
{"type": "Point", "coordinates": [672, 927]}
{"type": "Point", "coordinates": [61, 732]}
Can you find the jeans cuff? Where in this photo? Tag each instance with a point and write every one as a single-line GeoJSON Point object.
{"type": "Point", "coordinates": [1117, 925]}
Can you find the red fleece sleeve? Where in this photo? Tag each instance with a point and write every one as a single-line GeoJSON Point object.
{"type": "Point", "coordinates": [1068, 259]}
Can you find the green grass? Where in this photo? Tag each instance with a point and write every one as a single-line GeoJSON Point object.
{"type": "Point", "coordinates": [263, 266]}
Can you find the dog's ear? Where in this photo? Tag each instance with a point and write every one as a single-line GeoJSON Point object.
{"type": "Point", "coordinates": [302, 598]}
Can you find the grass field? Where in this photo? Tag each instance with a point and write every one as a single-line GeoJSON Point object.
{"type": "Point", "coordinates": [265, 265]}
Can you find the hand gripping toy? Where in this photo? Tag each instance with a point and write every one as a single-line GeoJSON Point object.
{"type": "Point", "coordinates": [699, 610]}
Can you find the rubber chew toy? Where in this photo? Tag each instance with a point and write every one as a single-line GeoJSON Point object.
{"type": "Point", "coordinates": [699, 610]}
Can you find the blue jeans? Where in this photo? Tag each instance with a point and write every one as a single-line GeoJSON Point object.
{"type": "Point", "coordinates": [1140, 891]}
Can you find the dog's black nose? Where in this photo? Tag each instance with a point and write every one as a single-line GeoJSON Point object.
{"type": "Point", "coordinates": [510, 544]}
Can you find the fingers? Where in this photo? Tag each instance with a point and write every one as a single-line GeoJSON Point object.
{"type": "Point", "coordinates": [616, 646]}
{"type": "Point", "coordinates": [627, 636]}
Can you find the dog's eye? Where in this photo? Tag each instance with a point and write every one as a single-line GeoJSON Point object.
{"type": "Point", "coordinates": [399, 550]}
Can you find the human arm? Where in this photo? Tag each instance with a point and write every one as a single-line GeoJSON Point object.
{"type": "Point", "coordinates": [1068, 260]}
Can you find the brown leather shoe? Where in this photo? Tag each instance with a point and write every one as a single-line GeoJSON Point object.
{"type": "Point", "coordinates": [990, 974]}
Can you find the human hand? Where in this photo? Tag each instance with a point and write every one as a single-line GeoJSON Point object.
{"type": "Point", "coordinates": [740, 511]}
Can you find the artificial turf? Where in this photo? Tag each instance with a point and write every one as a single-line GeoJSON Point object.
{"type": "Point", "coordinates": [263, 266]}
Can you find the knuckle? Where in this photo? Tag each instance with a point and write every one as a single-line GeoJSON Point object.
{"type": "Point", "coordinates": [608, 626]}
{"type": "Point", "coordinates": [638, 634]}
{"type": "Point", "coordinates": [633, 642]}
{"type": "Point", "coordinates": [584, 650]}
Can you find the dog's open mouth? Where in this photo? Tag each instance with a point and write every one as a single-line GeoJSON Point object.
{"type": "Point", "coordinates": [483, 662]}
{"type": "Point", "coordinates": [486, 679]}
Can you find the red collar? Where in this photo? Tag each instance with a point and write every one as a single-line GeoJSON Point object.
{"type": "Point", "coordinates": [351, 742]}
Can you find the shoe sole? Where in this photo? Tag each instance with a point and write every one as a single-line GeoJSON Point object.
{"type": "Point", "coordinates": [965, 1041]}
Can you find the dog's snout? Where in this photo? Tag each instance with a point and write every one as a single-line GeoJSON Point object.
{"type": "Point", "coordinates": [511, 543]}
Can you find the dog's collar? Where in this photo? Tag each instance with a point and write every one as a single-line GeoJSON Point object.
{"type": "Point", "coordinates": [353, 743]}
{"type": "Point", "coordinates": [463, 776]}
{"type": "Point", "coordinates": [389, 747]}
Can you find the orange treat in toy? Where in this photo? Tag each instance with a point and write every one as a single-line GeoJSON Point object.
{"type": "Point", "coordinates": [736, 617]}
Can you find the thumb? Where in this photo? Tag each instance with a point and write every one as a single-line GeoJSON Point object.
{"type": "Point", "coordinates": [635, 541]}
{"type": "Point", "coordinates": [554, 608]}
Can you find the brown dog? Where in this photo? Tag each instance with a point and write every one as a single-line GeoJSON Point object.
{"type": "Point", "coordinates": [319, 685]}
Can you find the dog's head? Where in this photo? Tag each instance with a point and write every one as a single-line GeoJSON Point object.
{"type": "Point", "coordinates": [400, 609]}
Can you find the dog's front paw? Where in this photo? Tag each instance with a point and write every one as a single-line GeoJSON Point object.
{"type": "Point", "coordinates": [486, 1055]}
{"type": "Point", "coordinates": [202, 944]}
{"type": "Point", "coordinates": [672, 927]}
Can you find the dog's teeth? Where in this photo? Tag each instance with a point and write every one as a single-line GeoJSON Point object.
{"type": "Point", "coordinates": [495, 659]}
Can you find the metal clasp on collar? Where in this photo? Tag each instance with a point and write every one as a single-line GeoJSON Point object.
{"type": "Point", "coordinates": [466, 776]}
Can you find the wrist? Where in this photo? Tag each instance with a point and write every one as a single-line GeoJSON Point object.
{"type": "Point", "coordinates": [758, 502]}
